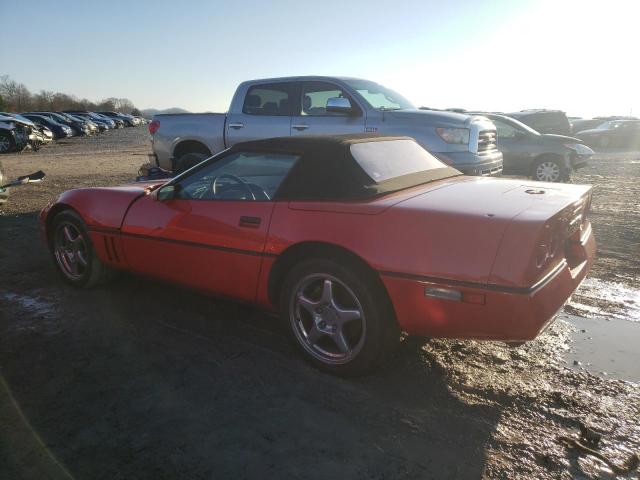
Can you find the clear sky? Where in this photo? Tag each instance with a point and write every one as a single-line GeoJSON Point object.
{"type": "Point", "coordinates": [580, 56]}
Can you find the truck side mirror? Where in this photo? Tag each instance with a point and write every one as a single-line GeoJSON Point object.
{"type": "Point", "coordinates": [339, 105]}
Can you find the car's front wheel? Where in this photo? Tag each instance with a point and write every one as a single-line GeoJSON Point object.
{"type": "Point", "coordinates": [549, 169]}
{"type": "Point", "coordinates": [340, 318]}
{"type": "Point", "coordinates": [73, 252]}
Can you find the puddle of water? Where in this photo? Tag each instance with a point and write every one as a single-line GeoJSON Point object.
{"type": "Point", "coordinates": [37, 313]}
{"type": "Point", "coordinates": [605, 298]}
{"type": "Point", "coordinates": [608, 347]}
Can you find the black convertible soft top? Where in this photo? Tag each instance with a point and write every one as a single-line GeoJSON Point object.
{"type": "Point", "coordinates": [327, 170]}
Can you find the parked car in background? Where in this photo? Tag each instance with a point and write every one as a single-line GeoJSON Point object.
{"type": "Point", "coordinates": [34, 135]}
{"type": "Point", "coordinates": [615, 133]}
{"type": "Point", "coordinates": [352, 239]}
{"type": "Point", "coordinates": [46, 133]}
{"type": "Point", "coordinates": [96, 118]}
{"type": "Point", "coordinates": [543, 157]}
{"type": "Point", "coordinates": [59, 130]}
{"type": "Point", "coordinates": [93, 128]}
{"type": "Point", "coordinates": [100, 123]}
{"type": "Point", "coordinates": [544, 121]}
{"type": "Point", "coordinates": [14, 135]}
{"type": "Point", "coordinates": [585, 124]}
{"type": "Point", "coordinates": [79, 127]}
{"type": "Point", "coordinates": [128, 120]}
{"type": "Point", "coordinates": [296, 106]}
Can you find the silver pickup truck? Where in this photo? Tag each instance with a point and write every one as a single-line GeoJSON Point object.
{"type": "Point", "coordinates": [279, 107]}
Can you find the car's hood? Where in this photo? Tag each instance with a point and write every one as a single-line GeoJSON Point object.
{"type": "Point", "coordinates": [552, 137]}
{"type": "Point", "coordinates": [104, 207]}
{"type": "Point", "coordinates": [436, 117]}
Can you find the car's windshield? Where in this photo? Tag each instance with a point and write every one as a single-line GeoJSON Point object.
{"type": "Point", "coordinates": [515, 124]}
{"type": "Point", "coordinates": [379, 97]}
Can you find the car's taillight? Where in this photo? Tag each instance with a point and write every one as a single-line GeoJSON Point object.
{"type": "Point", "coordinates": [154, 126]}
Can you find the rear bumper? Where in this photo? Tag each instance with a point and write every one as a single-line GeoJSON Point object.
{"type": "Point", "coordinates": [472, 163]}
{"type": "Point", "coordinates": [486, 312]}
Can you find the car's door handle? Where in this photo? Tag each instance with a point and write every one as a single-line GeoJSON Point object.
{"type": "Point", "coordinates": [250, 222]}
{"type": "Point", "coordinates": [300, 127]}
{"type": "Point", "coordinates": [236, 125]}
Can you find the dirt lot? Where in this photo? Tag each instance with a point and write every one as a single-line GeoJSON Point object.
{"type": "Point", "coordinates": [144, 380]}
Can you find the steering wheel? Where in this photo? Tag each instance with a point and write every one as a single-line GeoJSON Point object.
{"type": "Point", "coordinates": [238, 180]}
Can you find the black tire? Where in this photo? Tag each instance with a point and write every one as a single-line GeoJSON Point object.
{"type": "Point", "coordinates": [188, 160]}
{"type": "Point", "coordinates": [549, 169]}
{"type": "Point", "coordinates": [90, 274]}
{"type": "Point", "coordinates": [374, 333]}
{"type": "Point", "coordinates": [7, 143]}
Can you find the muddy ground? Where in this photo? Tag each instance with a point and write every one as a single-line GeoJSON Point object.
{"type": "Point", "coordinates": [143, 380]}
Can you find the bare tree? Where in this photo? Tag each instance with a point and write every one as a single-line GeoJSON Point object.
{"type": "Point", "coordinates": [16, 97]}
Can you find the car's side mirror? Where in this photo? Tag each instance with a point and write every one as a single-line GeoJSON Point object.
{"type": "Point", "coordinates": [165, 193]}
{"type": "Point", "coordinates": [339, 105]}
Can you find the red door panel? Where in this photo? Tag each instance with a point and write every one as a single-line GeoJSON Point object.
{"type": "Point", "coordinates": [213, 245]}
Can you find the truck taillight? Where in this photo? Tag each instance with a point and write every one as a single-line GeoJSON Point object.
{"type": "Point", "coordinates": [154, 126]}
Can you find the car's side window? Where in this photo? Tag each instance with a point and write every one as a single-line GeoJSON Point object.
{"type": "Point", "coordinates": [314, 97]}
{"type": "Point", "coordinates": [252, 176]}
{"type": "Point", "coordinates": [268, 99]}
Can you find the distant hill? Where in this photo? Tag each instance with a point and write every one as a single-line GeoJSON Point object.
{"type": "Point", "coordinates": [150, 112]}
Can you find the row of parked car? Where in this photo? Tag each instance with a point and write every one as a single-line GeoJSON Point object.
{"type": "Point", "coordinates": [19, 131]}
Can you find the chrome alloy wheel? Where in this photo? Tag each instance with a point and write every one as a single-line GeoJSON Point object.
{"type": "Point", "coordinates": [327, 318]}
{"type": "Point", "coordinates": [548, 172]}
{"type": "Point", "coordinates": [70, 249]}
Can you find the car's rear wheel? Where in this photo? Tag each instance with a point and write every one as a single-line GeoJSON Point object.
{"type": "Point", "coordinates": [73, 252]}
{"type": "Point", "coordinates": [549, 169]}
{"type": "Point", "coordinates": [341, 320]}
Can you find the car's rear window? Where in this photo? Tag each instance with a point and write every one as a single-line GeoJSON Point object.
{"type": "Point", "coordinates": [385, 160]}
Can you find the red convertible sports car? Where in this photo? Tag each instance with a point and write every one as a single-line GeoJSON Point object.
{"type": "Point", "coordinates": [353, 239]}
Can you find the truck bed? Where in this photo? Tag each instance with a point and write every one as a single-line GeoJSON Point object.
{"type": "Point", "coordinates": [205, 128]}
